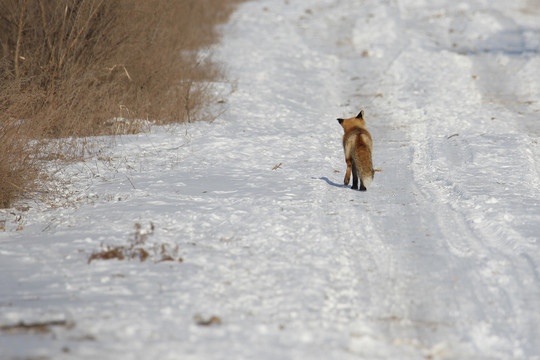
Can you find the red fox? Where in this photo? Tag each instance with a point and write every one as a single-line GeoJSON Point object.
{"type": "Point", "coordinates": [357, 145]}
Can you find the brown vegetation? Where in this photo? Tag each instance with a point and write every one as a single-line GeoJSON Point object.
{"type": "Point", "coordinates": [213, 320]}
{"type": "Point", "coordinates": [138, 249]}
{"type": "Point", "coordinates": [69, 67]}
{"type": "Point", "coordinates": [35, 328]}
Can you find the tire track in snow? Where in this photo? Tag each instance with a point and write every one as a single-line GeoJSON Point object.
{"type": "Point", "coordinates": [463, 249]}
{"type": "Point", "coordinates": [392, 317]}
{"type": "Point", "coordinates": [488, 252]}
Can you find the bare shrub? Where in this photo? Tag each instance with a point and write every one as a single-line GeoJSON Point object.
{"type": "Point", "coordinates": [67, 67]}
{"type": "Point", "coordinates": [53, 52]}
{"type": "Point", "coordinates": [18, 168]}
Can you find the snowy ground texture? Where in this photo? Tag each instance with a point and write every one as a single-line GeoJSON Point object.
{"type": "Point", "coordinates": [253, 248]}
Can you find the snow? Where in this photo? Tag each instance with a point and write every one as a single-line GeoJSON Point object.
{"type": "Point", "coordinates": [271, 257]}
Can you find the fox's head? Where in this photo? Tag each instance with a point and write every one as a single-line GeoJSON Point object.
{"type": "Point", "coordinates": [355, 122]}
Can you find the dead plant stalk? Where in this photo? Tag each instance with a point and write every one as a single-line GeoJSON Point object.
{"type": "Point", "coordinates": [19, 39]}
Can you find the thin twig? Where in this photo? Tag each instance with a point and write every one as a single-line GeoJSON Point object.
{"type": "Point", "coordinates": [45, 26]}
{"type": "Point", "coordinates": [19, 39]}
{"type": "Point", "coordinates": [127, 177]}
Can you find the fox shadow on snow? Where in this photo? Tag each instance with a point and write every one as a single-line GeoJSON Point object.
{"type": "Point", "coordinates": [330, 182]}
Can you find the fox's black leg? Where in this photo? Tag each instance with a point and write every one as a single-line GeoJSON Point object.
{"type": "Point", "coordinates": [362, 187]}
{"type": "Point", "coordinates": [355, 178]}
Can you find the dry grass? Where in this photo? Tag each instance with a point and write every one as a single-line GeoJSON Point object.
{"type": "Point", "coordinates": [211, 321]}
{"type": "Point", "coordinates": [36, 328]}
{"type": "Point", "coordinates": [67, 67]}
{"type": "Point", "coordinates": [18, 168]}
{"type": "Point", "coordinates": [138, 249]}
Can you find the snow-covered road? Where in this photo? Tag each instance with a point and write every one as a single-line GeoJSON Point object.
{"type": "Point", "coordinates": [254, 248]}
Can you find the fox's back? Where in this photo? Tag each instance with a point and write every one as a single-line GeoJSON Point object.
{"type": "Point", "coordinates": [357, 138]}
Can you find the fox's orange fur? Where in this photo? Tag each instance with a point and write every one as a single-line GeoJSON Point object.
{"type": "Point", "coordinates": [357, 144]}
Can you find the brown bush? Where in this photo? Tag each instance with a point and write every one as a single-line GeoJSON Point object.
{"type": "Point", "coordinates": [68, 67]}
{"type": "Point", "coordinates": [17, 163]}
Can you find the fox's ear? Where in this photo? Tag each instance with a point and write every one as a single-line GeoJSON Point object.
{"type": "Point", "coordinates": [360, 115]}
{"type": "Point", "coordinates": [340, 121]}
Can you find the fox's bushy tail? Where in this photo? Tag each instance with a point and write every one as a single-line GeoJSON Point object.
{"type": "Point", "coordinates": [364, 167]}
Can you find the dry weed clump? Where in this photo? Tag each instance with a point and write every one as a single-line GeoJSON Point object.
{"type": "Point", "coordinates": [67, 67]}
{"type": "Point", "coordinates": [138, 249]}
{"type": "Point", "coordinates": [36, 328]}
{"type": "Point", "coordinates": [213, 320]}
